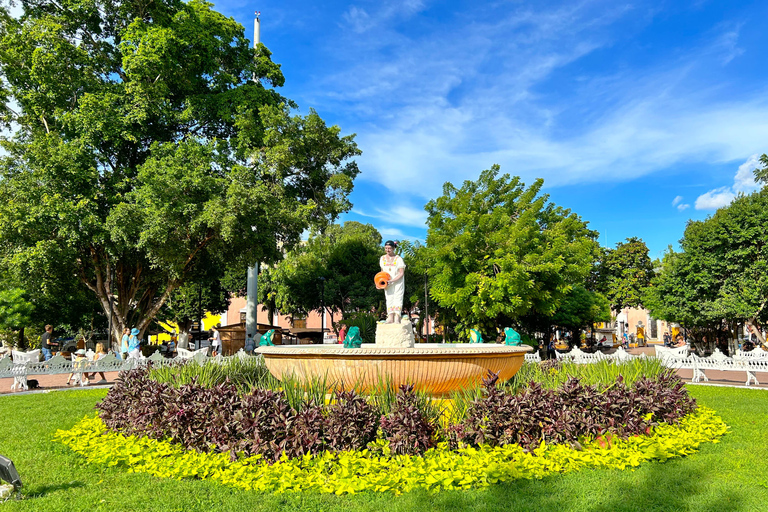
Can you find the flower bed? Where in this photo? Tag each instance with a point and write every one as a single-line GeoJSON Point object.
{"type": "Point", "coordinates": [366, 470]}
{"type": "Point", "coordinates": [270, 440]}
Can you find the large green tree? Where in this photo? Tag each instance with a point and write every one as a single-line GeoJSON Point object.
{"type": "Point", "coordinates": [334, 269]}
{"type": "Point", "coordinates": [624, 273]}
{"type": "Point", "coordinates": [147, 140]}
{"type": "Point", "coordinates": [721, 276]}
{"type": "Point", "coordinates": [580, 309]}
{"type": "Point", "coordinates": [15, 313]}
{"type": "Point", "coordinates": [499, 251]}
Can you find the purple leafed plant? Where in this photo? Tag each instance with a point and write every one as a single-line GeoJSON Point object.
{"type": "Point", "coordinates": [406, 428]}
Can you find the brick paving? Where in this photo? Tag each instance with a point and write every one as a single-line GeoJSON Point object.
{"type": "Point", "coordinates": [52, 382]}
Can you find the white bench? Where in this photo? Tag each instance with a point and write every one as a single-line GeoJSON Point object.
{"type": "Point", "coordinates": [25, 364]}
{"type": "Point", "coordinates": [580, 357]}
{"type": "Point", "coordinates": [532, 357]}
{"type": "Point", "coordinates": [720, 362]}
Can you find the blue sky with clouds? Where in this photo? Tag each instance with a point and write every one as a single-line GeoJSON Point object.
{"type": "Point", "coordinates": [638, 115]}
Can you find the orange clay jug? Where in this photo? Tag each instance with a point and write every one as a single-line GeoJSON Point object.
{"type": "Point", "coordinates": [381, 280]}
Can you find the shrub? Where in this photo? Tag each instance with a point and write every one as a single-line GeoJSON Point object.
{"type": "Point", "coordinates": [202, 419]}
{"type": "Point", "coordinates": [570, 412]}
{"type": "Point", "coordinates": [351, 423]}
{"type": "Point", "coordinates": [132, 406]}
{"type": "Point", "coordinates": [552, 373]}
{"type": "Point", "coordinates": [406, 427]}
{"type": "Point", "coordinates": [272, 424]}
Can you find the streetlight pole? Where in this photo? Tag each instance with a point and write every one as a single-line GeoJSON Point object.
{"type": "Point", "coordinates": [252, 283]}
{"type": "Point", "coordinates": [426, 306]}
{"type": "Point", "coordinates": [322, 306]}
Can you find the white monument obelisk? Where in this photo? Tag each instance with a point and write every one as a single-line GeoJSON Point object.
{"type": "Point", "coordinates": [252, 286]}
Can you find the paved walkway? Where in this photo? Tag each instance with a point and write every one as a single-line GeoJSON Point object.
{"type": "Point", "coordinates": [52, 382]}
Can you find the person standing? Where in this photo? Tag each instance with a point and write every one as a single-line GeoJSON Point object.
{"type": "Point", "coordinates": [216, 341]}
{"type": "Point", "coordinates": [393, 265]}
{"type": "Point", "coordinates": [134, 344]}
{"type": "Point", "coordinates": [250, 346]}
{"type": "Point", "coordinates": [342, 333]}
{"type": "Point", "coordinates": [124, 344]}
{"type": "Point", "coordinates": [47, 345]}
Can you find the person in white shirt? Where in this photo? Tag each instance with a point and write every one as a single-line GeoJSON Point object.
{"type": "Point", "coordinates": [216, 341]}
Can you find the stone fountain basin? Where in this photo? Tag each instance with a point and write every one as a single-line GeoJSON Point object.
{"type": "Point", "coordinates": [437, 369]}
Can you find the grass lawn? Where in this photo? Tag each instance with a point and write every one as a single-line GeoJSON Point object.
{"type": "Point", "coordinates": [728, 476]}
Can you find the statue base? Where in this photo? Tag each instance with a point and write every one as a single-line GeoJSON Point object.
{"type": "Point", "coordinates": [395, 335]}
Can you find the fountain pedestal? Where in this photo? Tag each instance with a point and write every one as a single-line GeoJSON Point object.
{"type": "Point", "coordinates": [395, 335]}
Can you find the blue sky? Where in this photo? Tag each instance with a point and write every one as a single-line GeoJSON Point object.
{"type": "Point", "coordinates": [638, 115]}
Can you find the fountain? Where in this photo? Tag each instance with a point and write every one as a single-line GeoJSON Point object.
{"type": "Point", "coordinates": [437, 369]}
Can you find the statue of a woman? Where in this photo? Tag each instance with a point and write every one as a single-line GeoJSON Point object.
{"type": "Point", "coordinates": [393, 265]}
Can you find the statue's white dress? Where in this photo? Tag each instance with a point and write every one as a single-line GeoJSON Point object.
{"type": "Point", "coordinates": [395, 291]}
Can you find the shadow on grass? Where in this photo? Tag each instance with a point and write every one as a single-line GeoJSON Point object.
{"type": "Point", "coordinates": [654, 487]}
{"type": "Point", "coordinates": [41, 491]}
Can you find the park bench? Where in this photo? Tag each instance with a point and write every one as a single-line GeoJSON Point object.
{"type": "Point", "coordinates": [26, 364]}
{"type": "Point", "coordinates": [533, 357]}
{"type": "Point", "coordinates": [580, 357]}
{"type": "Point", "coordinates": [751, 365]}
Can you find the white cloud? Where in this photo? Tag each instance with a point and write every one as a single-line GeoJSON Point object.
{"type": "Point", "coordinates": [743, 183]}
{"type": "Point", "coordinates": [361, 20]}
{"type": "Point", "coordinates": [678, 202]}
{"type": "Point", "coordinates": [433, 107]}
{"type": "Point", "coordinates": [388, 232]}
{"type": "Point", "coordinates": [715, 199]}
{"type": "Point", "coordinates": [403, 214]}
{"type": "Point", "coordinates": [358, 18]}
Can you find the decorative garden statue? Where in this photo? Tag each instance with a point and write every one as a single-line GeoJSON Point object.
{"type": "Point", "coordinates": [394, 291]}
{"type": "Point", "coordinates": [511, 337]}
{"type": "Point", "coordinates": [353, 339]}
{"type": "Point", "coordinates": [475, 336]}
{"type": "Point", "coordinates": [266, 339]}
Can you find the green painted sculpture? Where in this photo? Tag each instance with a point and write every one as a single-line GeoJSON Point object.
{"type": "Point", "coordinates": [511, 337]}
{"type": "Point", "coordinates": [475, 336]}
{"type": "Point", "coordinates": [266, 339]}
{"type": "Point", "coordinates": [353, 339]}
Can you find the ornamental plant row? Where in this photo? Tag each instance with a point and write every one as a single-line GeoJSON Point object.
{"type": "Point", "coordinates": [571, 412]}
{"type": "Point", "coordinates": [219, 419]}
{"type": "Point", "coordinates": [365, 470]}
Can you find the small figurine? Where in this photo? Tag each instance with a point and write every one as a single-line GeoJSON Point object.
{"type": "Point", "coordinates": [511, 337]}
{"type": "Point", "coordinates": [266, 339]}
{"type": "Point", "coordinates": [353, 339]}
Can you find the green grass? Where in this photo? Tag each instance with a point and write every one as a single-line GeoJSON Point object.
{"type": "Point", "coordinates": [727, 476]}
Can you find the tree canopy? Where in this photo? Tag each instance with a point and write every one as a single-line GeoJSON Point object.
{"type": "Point", "coordinates": [146, 144]}
{"type": "Point", "coordinates": [334, 269]}
{"type": "Point", "coordinates": [721, 275]}
{"type": "Point", "coordinates": [624, 273]}
{"type": "Point", "coordinates": [499, 251]}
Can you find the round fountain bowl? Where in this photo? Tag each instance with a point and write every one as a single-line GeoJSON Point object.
{"type": "Point", "coordinates": [437, 369]}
